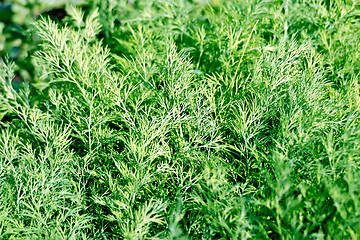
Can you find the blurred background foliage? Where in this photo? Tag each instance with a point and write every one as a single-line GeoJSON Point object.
{"type": "Point", "coordinates": [17, 40]}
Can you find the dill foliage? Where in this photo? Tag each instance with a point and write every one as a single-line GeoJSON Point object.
{"type": "Point", "coordinates": [185, 120]}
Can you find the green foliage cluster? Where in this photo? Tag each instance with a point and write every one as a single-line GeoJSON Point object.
{"type": "Point", "coordinates": [174, 119]}
{"type": "Point", "coordinates": [16, 39]}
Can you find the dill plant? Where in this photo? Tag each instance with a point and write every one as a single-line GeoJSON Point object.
{"type": "Point", "coordinates": [185, 120]}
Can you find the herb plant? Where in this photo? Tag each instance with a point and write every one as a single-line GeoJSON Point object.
{"type": "Point", "coordinates": [164, 119]}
